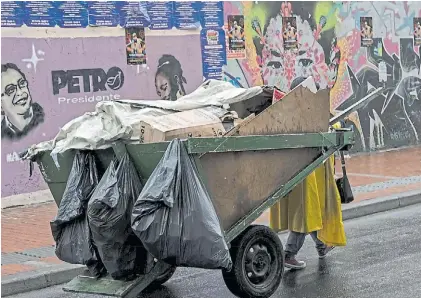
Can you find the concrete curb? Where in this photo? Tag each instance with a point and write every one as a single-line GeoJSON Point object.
{"type": "Point", "coordinates": [43, 278]}
{"type": "Point", "coordinates": [380, 204]}
{"type": "Point", "coordinates": [25, 282]}
{"type": "Point", "coordinates": [25, 199]}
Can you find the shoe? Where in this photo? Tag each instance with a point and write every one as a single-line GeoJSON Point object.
{"type": "Point", "coordinates": [292, 263]}
{"type": "Point", "coordinates": [324, 252]}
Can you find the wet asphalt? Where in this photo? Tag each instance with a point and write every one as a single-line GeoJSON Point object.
{"type": "Point", "coordinates": [382, 259]}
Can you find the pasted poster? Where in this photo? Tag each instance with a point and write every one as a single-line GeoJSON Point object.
{"type": "Point", "coordinates": [12, 13]}
{"type": "Point", "coordinates": [133, 14]}
{"type": "Point", "coordinates": [103, 13]}
{"type": "Point", "coordinates": [289, 33]}
{"type": "Point", "coordinates": [236, 37]}
{"type": "Point", "coordinates": [161, 15]}
{"type": "Point", "coordinates": [187, 14]}
{"type": "Point", "coordinates": [214, 54]}
{"type": "Point", "coordinates": [72, 14]}
{"type": "Point", "coordinates": [366, 24]}
{"type": "Point", "coordinates": [135, 45]}
{"type": "Point", "coordinates": [212, 15]}
{"type": "Point", "coordinates": [417, 31]}
{"type": "Point", "coordinates": [40, 13]}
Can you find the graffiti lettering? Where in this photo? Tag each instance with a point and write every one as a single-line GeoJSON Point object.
{"type": "Point", "coordinates": [87, 80]}
{"type": "Point", "coordinates": [13, 157]}
{"type": "Point", "coordinates": [392, 116]}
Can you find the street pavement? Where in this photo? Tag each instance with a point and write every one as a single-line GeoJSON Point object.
{"type": "Point", "coordinates": [382, 259]}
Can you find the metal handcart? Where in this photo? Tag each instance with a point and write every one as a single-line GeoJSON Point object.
{"type": "Point", "coordinates": [245, 175]}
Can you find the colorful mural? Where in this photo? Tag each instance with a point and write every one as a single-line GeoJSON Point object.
{"type": "Point", "coordinates": [329, 49]}
{"type": "Point", "coordinates": [48, 80]}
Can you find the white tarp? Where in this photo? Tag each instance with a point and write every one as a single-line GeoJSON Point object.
{"type": "Point", "coordinates": [210, 93]}
{"type": "Point", "coordinates": [112, 121]}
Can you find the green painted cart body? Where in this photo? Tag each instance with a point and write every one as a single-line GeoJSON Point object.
{"type": "Point", "coordinates": [236, 214]}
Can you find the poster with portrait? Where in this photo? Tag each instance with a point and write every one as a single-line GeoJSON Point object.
{"type": "Point", "coordinates": [417, 31]}
{"type": "Point", "coordinates": [135, 45]}
{"type": "Point", "coordinates": [366, 27]}
{"type": "Point", "coordinates": [289, 33]}
{"type": "Point", "coordinates": [236, 39]}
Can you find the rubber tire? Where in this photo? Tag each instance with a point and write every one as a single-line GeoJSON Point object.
{"type": "Point", "coordinates": [235, 280]}
{"type": "Point", "coordinates": [160, 280]}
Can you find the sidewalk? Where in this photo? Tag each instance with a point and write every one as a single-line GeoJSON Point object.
{"type": "Point", "coordinates": [27, 244]}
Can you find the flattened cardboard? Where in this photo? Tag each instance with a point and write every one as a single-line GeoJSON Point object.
{"type": "Point", "coordinates": [239, 181]}
{"type": "Point", "coordinates": [193, 123]}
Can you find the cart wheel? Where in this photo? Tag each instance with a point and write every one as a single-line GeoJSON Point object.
{"type": "Point", "coordinates": [258, 263]}
{"type": "Point", "coordinates": [164, 277]}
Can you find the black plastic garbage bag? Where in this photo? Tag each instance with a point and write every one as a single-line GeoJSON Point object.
{"type": "Point", "coordinates": [175, 218]}
{"type": "Point", "coordinates": [109, 213]}
{"type": "Point", "coordinates": [70, 228]}
{"type": "Point", "coordinates": [74, 242]}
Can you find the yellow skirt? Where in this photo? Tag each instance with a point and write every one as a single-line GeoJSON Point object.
{"type": "Point", "coordinates": [313, 205]}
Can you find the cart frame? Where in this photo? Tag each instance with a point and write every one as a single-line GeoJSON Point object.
{"type": "Point", "coordinates": [328, 142]}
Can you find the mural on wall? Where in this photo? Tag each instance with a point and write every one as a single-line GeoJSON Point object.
{"type": "Point", "coordinates": [65, 77]}
{"type": "Point", "coordinates": [19, 112]}
{"type": "Point", "coordinates": [269, 60]}
{"type": "Point", "coordinates": [392, 62]}
{"type": "Point", "coordinates": [329, 37]}
{"type": "Point", "coordinates": [169, 78]}
{"type": "Point", "coordinates": [394, 116]}
{"type": "Point", "coordinates": [49, 81]}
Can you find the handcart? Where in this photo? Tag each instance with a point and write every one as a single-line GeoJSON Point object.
{"type": "Point", "coordinates": [245, 175]}
{"type": "Point", "coordinates": [256, 250]}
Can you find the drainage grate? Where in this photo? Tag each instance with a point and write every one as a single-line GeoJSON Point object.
{"type": "Point", "coordinates": [41, 252]}
{"type": "Point", "coordinates": [15, 258]}
{"type": "Point", "coordinates": [387, 184]}
{"type": "Point", "coordinates": [27, 255]}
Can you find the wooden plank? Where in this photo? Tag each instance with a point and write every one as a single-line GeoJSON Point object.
{"type": "Point", "coordinates": [239, 181]}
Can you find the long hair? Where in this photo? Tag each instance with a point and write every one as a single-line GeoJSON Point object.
{"type": "Point", "coordinates": [170, 67]}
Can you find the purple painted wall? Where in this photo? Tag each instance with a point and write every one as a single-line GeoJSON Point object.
{"type": "Point", "coordinates": [75, 61]}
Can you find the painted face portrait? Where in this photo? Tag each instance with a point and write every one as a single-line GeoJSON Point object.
{"type": "Point", "coordinates": [15, 97]}
{"type": "Point", "coordinates": [282, 68]}
{"type": "Point", "coordinates": [19, 112]}
{"type": "Point", "coordinates": [169, 79]}
{"type": "Point", "coordinates": [163, 86]}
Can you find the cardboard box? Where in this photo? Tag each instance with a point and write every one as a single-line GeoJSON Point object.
{"type": "Point", "coordinates": [204, 122]}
